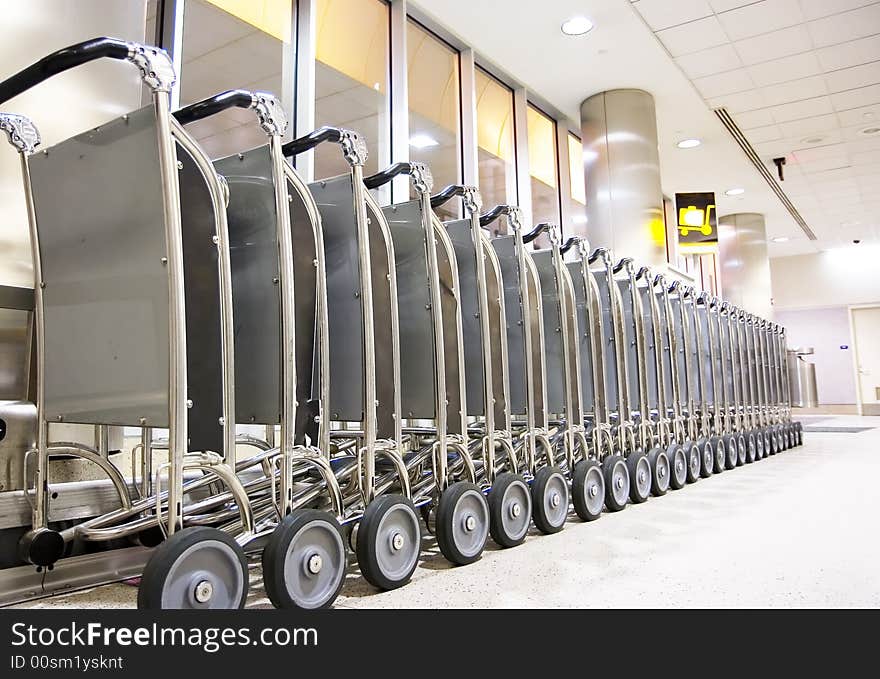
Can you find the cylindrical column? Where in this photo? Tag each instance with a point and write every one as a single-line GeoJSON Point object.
{"type": "Point", "coordinates": [622, 174]}
{"type": "Point", "coordinates": [744, 263]}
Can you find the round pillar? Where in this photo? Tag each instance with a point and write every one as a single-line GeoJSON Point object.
{"type": "Point", "coordinates": [743, 262]}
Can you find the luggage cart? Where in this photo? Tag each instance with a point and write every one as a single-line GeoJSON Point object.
{"type": "Point", "coordinates": [525, 352]}
{"type": "Point", "coordinates": [486, 368]}
{"type": "Point", "coordinates": [433, 395]}
{"type": "Point", "coordinates": [734, 440]}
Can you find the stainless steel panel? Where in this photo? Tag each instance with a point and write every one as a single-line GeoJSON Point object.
{"type": "Point", "coordinates": [629, 343]}
{"type": "Point", "coordinates": [253, 253]}
{"type": "Point", "coordinates": [417, 365]}
{"type": "Point", "coordinates": [516, 348]}
{"type": "Point", "coordinates": [705, 365]}
{"type": "Point", "coordinates": [622, 174]}
{"type": "Point", "coordinates": [665, 350]}
{"type": "Point", "coordinates": [583, 344]}
{"type": "Point", "coordinates": [611, 377]}
{"type": "Point", "coordinates": [650, 362]}
{"type": "Point", "coordinates": [99, 209]}
{"type": "Point", "coordinates": [16, 342]}
{"type": "Point", "coordinates": [453, 359]}
{"type": "Point", "coordinates": [335, 201]}
{"type": "Point", "coordinates": [552, 317]}
{"type": "Point", "coordinates": [18, 433]}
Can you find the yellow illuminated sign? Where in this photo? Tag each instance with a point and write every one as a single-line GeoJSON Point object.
{"type": "Point", "coordinates": [696, 218]}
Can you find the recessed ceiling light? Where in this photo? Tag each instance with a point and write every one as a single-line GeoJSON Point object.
{"type": "Point", "coordinates": [577, 26]}
{"type": "Point", "coordinates": [813, 140]}
{"type": "Point", "coordinates": [689, 143]}
{"type": "Point", "coordinates": [422, 141]}
{"type": "Point", "coordinates": [734, 192]}
{"type": "Point", "coordinates": [871, 131]}
{"type": "Point", "coordinates": [780, 239]}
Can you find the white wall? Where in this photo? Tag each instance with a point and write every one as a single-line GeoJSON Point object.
{"type": "Point", "coordinates": [826, 330]}
{"type": "Point", "coordinates": [838, 277]}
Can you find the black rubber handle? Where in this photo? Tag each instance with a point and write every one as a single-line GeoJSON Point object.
{"type": "Point", "coordinates": [311, 140]}
{"type": "Point", "coordinates": [643, 272]}
{"type": "Point", "coordinates": [543, 227]}
{"type": "Point", "coordinates": [447, 194]}
{"type": "Point", "coordinates": [374, 181]}
{"type": "Point", "coordinates": [567, 245]}
{"type": "Point", "coordinates": [596, 254]}
{"type": "Point", "coordinates": [674, 285]}
{"type": "Point", "coordinates": [488, 217]}
{"type": "Point", "coordinates": [214, 105]}
{"type": "Point", "coordinates": [622, 263]}
{"type": "Point", "coordinates": [62, 60]}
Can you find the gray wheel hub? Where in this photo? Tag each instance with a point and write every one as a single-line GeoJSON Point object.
{"type": "Point", "coordinates": [470, 523]}
{"type": "Point", "coordinates": [555, 499]}
{"type": "Point", "coordinates": [516, 510]}
{"type": "Point", "coordinates": [397, 542]}
{"type": "Point", "coordinates": [207, 575]}
{"type": "Point", "coordinates": [314, 564]}
{"type": "Point", "coordinates": [662, 470]}
{"type": "Point", "coordinates": [620, 485]}
{"type": "Point", "coordinates": [643, 476]}
{"type": "Point", "coordinates": [679, 465]}
{"type": "Point", "coordinates": [594, 488]}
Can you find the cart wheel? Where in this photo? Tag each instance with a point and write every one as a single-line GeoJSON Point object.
{"type": "Point", "coordinates": [759, 445]}
{"type": "Point", "coordinates": [707, 458]}
{"type": "Point", "coordinates": [695, 462]}
{"type": "Point", "coordinates": [304, 563]}
{"type": "Point", "coordinates": [730, 450]}
{"type": "Point", "coordinates": [462, 523]}
{"type": "Point", "coordinates": [751, 447]}
{"type": "Point", "coordinates": [678, 465]}
{"type": "Point", "coordinates": [640, 473]}
{"type": "Point", "coordinates": [769, 442]}
{"type": "Point", "coordinates": [799, 428]}
{"type": "Point", "coordinates": [549, 500]}
{"type": "Point", "coordinates": [588, 490]}
{"type": "Point", "coordinates": [789, 439]}
{"type": "Point", "coordinates": [780, 440]}
{"type": "Point", "coordinates": [742, 449]}
{"type": "Point", "coordinates": [616, 475]}
{"type": "Point", "coordinates": [389, 542]}
{"type": "Point", "coordinates": [720, 448]}
{"type": "Point", "coordinates": [659, 464]}
{"type": "Point", "coordinates": [197, 568]}
{"type": "Point", "coordinates": [510, 510]}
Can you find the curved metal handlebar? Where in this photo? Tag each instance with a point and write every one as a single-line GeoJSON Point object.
{"type": "Point", "coordinates": [448, 193]}
{"type": "Point", "coordinates": [625, 262]}
{"type": "Point", "coordinates": [155, 65]}
{"type": "Point", "coordinates": [214, 105]}
{"type": "Point", "coordinates": [567, 245]}
{"type": "Point", "coordinates": [354, 149]}
{"type": "Point", "coordinates": [543, 227]}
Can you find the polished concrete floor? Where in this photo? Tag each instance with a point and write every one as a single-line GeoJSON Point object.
{"type": "Point", "coordinates": [795, 530]}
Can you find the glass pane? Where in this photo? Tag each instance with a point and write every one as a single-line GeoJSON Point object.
{"type": "Point", "coordinates": [352, 79]}
{"type": "Point", "coordinates": [230, 44]}
{"type": "Point", "coordinates": [578, 202]}
{"type": "Point", "coordinates": [543, 167]}
{"type": "Point", "coordinates": [495, 141]}
{"type": "Point", "coordinates": [434, 109]}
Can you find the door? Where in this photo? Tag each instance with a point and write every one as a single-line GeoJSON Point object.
{"type": "Point", "coordinates": [866, 333]}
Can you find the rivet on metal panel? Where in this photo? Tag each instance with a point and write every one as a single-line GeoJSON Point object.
{"type": "Point", "coordinates": [189, 403]}
{"type": "Point", "coordinates": [164, 260]}
{"type": "Point", "coordinates": [179, 165]}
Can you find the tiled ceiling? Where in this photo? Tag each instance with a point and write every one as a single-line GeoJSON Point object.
{"type": "Point", "coordinates": [801, 78]}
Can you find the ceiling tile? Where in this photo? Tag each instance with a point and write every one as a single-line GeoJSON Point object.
{"type": "Point", "coordinates": [707, 62]}
{"type": "Point", "coordinates": [809, 126]}
{"type": "Point", "coordinates": [864, 96]}
{"type": "Point", "coordinates": [760, 17]}
{"type": "Point", "coordinates": [853, 78]}
{"type": "Point", "coordinates": [740, 102]}
{"type": "Point", "coordinates": [816, 9]}
{"type": "Point", "coordinates": [769, 46]}
{"type": "Point", "coordinates": [724, 83]}
{"type": "Point", "coordinates": [693, 37]}
{"type": "Point", "coordinates": [838, 28]}
{"type": "Point", "coordinates": [660, 14]}
{"type": "Point", "coordinates": [787, 68]}
{"type": "Point", "coordinates": [823, 164]}
{"type": "Point", "coordinates": [849, 54]}
{"type": "Point", "coordinates": [865, 158]}
{"type": "Point", "coordinates": [866, 115]}
{"type": "Point", "coordinates": [725, 5]}
{"type": "Point", "coordinates": [801, 109]}
{"type": "Point", "coordinates": [750, 119]}
{"type": "Point", "coordinates": [795, 90]}
{"type": "Point", "coordinates": [808, 155]}
{"type": "Point", "coordinates": [761, 135]}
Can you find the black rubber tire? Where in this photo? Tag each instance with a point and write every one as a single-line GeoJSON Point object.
{"type": "Point", "coordinates": [742, 449]}
{"type": "Point", "coordinates": [366, 541]}
{"type": "Point", "coordinates": [446, 520]}
{"type": "Point", "coordinates": [166, 555]}
{"type": "Point", "coordinates": [542, 516]}
{"type": "Point", "coordinates": [585, 472]}
{"type": "Point", "coordinates": [274, 554]}
{"type": "Point", "coordinates": [799, 428]}
{"type": "Point", "coordinates": [751, 447]}
{"type": "Point", "coordinates": [497, 530]}
{"type": "Point", "coordinates": [611, 465]}
{"type": "Point", "coordinates": [707, 460]}
{"type": "Point", "coordinates": [759, 445]}
{"type": "Point", "coordinates": [695, 461]}
{"type": "Point", "coordinates": [637, 473]}
{"type": "Point", "coordinates": [661, 468]}
{"type": "Point", "coordinates": [730, 450]}
{"type": "Point", "coordinates": [769, 441]}
{"type": "Point", "coordinates": [720, 450]}
{"type": "Point", "coordinates": [677, 476]}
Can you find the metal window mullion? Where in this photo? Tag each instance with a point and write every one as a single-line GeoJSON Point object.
{"type": "Point", "coordinates": [287, 95]}
{"type": "Point", "coordinates": [399, 99]}
{"type": "Point", "coordinates": [521, 141]}
{"type": "Point", "coordinates": [563, 174]}
{"type": "Point", "coordinates": [470, 168]}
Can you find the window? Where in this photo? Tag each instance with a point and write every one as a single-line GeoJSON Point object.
{"type": "Point", "coordinates": [577, 204]}
{"type": "Point", "coordinates": [495, 141]}
{"type": "Point", "coordinates": [434, 109]}
{"type": "Point", "coordinates": [230, 44]}
{"type": "Point", "coordinates": [543, 167]}
{"type": "Point", "coordinates": [352, 79]}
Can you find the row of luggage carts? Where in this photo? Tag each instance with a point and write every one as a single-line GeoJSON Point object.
{"type": "Point", "coordinates": [413, 375]}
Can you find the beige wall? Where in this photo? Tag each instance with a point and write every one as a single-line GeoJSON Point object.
{"type": "Point", "coordinates": [839, 277]}
{"type": "Point", "coordinates": [69, 103]}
